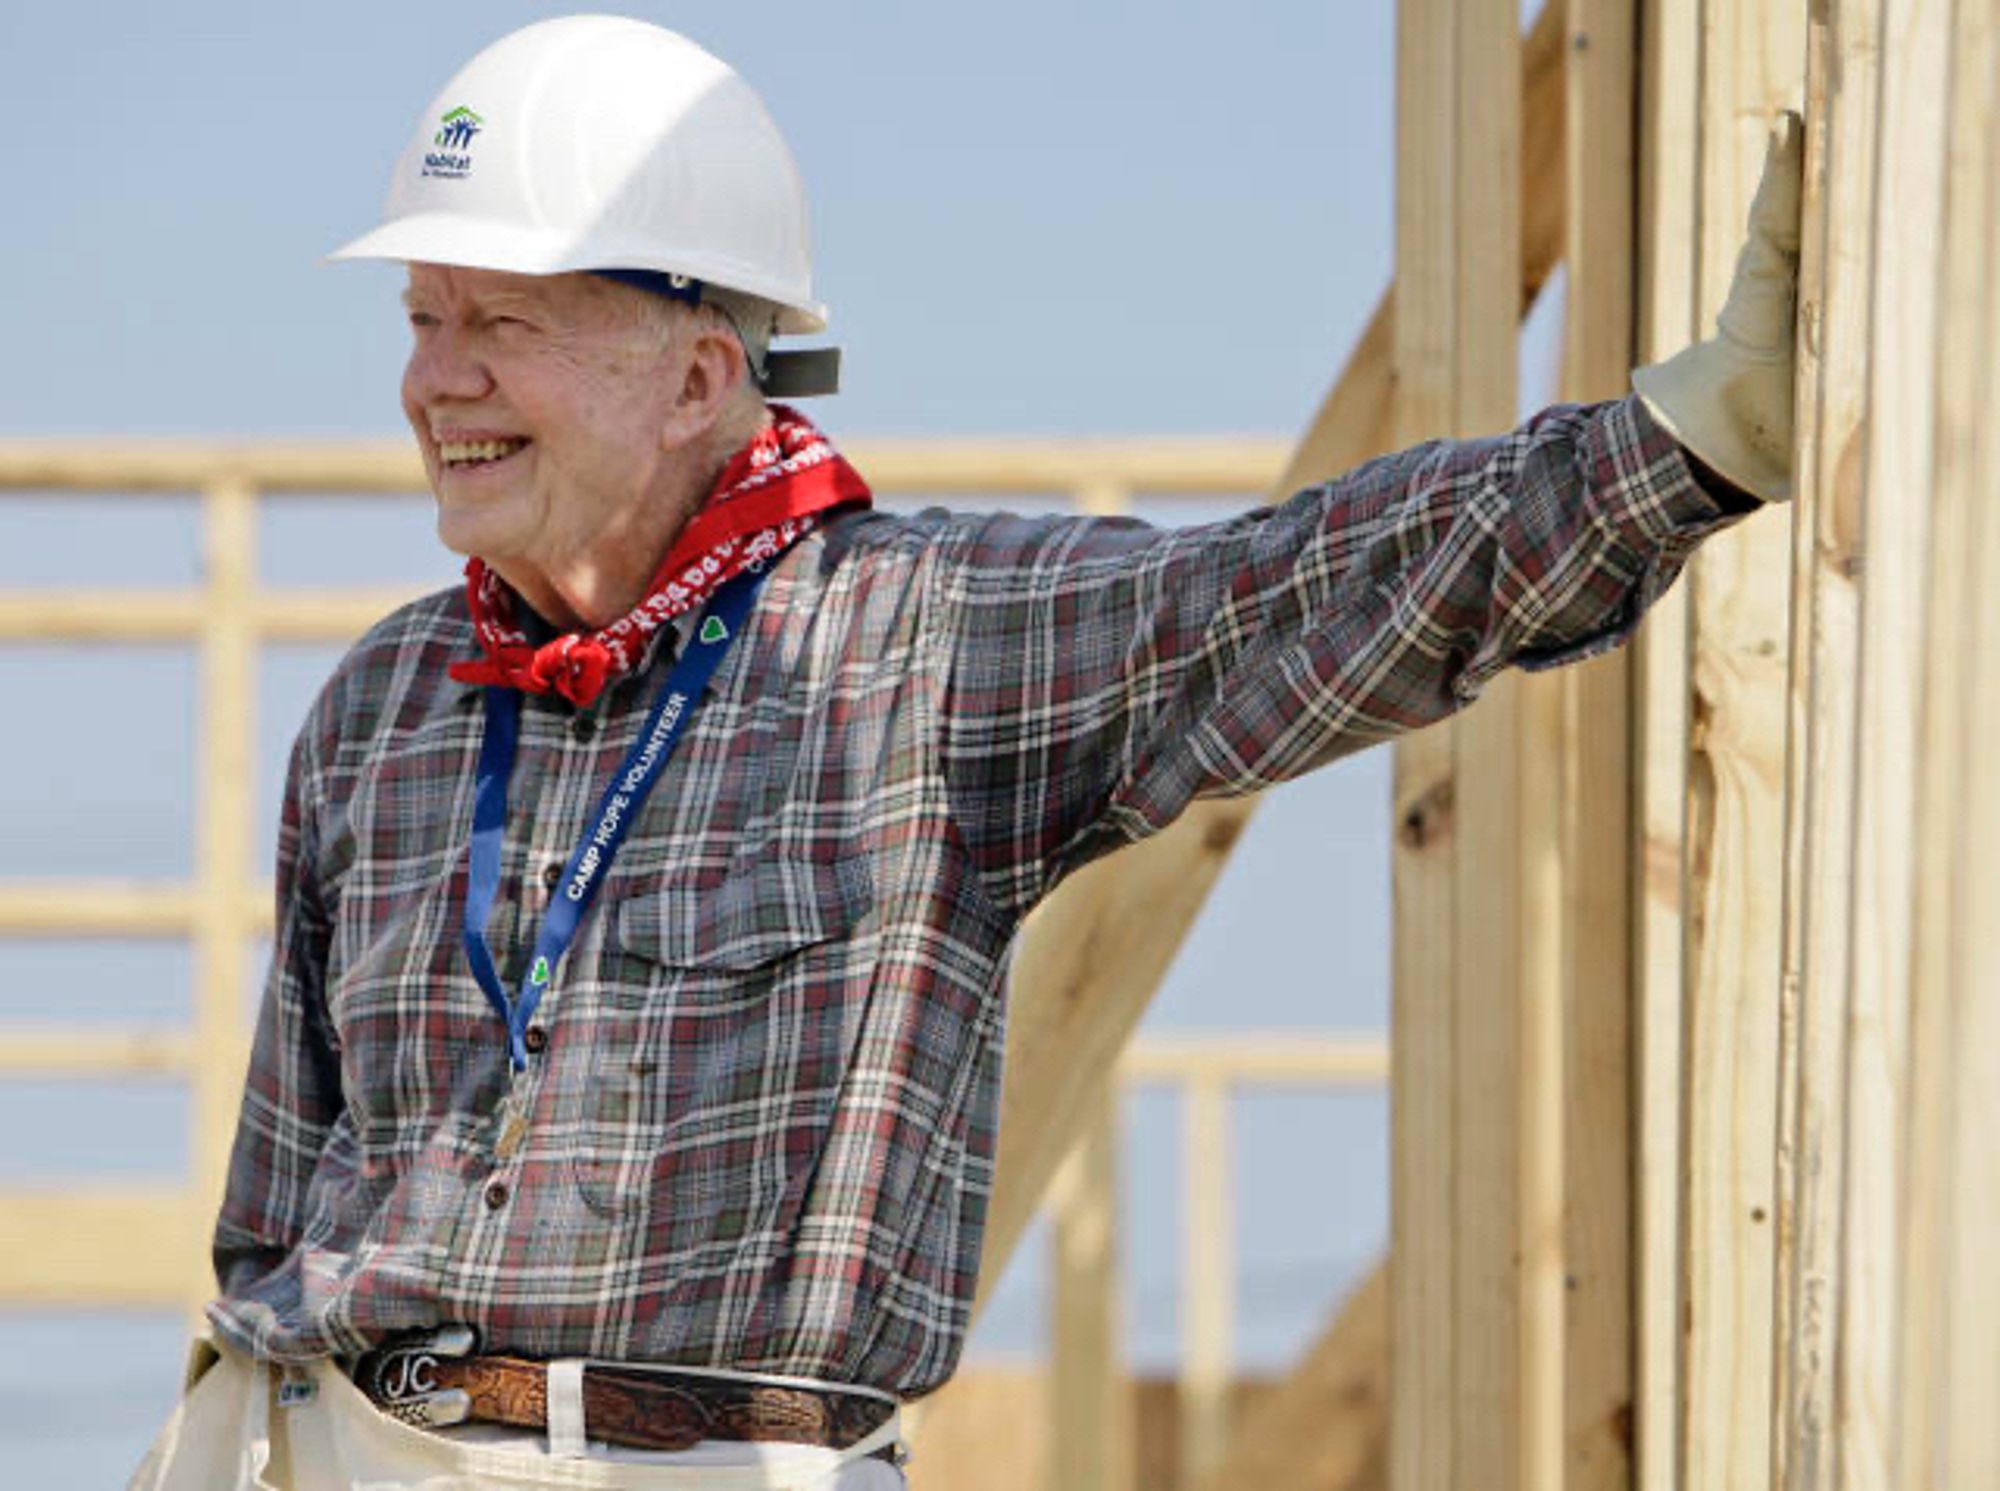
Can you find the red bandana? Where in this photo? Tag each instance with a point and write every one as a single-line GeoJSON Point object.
{"type": "Point", "coordinates": [767, 499]}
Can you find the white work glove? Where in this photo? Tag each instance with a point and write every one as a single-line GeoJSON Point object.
{"type": "Point", "coordinates": [1728, 400]}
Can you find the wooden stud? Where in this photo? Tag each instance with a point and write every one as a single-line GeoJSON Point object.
{"type": "Point", "coordinates": [1208, 1278]}
{"type": "Point", "coordinates": [1827, 554]}
{"type": "Point", "coordinates": [222, 845]}
{"type": "Point", "coordinates": [1751, 64]}
{"type": "Point", "coordinates": [1422, 1066]}
{"type": "Point", "coordinates": [1507, 896]}
{"type": "Point", "coordinates": [1895, 530]}
{"type": "Point", "coordinates": [1090, 1393]}
{"type": "Point", "coordinates": [1669, 202]}
{"type": "Point", "coordinates": [1947, 1434]}
{"type": "Point", "coordinates": [1597, 1143]}
{"type": "Point", "coordinates": [1424, 1308]}
{"type": "Point", "coordinates": [1475, 1201]}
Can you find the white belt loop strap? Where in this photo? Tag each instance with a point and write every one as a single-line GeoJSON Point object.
{"type": "Point", "coordinates": [566, 1436]}
{"type": "Point", "coordinates": [257, 1429]}
{"type": "Point", "coordinates": [888, 1432]}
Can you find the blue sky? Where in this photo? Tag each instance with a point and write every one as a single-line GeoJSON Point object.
{"type": "Point", "coordinates": [1028, 217]}
{"type": "Point", "coordinates": [1042, 218]}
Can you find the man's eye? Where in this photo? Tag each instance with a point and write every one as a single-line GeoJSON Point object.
{"type": "Point", "coordinates": [422, 320]}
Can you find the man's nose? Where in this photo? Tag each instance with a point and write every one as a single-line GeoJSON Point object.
{"type": "Point", "coordinates": [444, 364]}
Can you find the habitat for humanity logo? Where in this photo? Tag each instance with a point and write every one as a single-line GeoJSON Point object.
{"type": "Point", "coordinates": [453, 158]}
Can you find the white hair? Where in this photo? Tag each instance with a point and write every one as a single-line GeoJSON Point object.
{"type": "Point", "coordinates": [750, 320]}
{"type": "Point", "coordinates": [754, 321]}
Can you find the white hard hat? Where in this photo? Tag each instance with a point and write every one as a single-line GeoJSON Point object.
{"type": "Point", "coordinates": [602, 143]}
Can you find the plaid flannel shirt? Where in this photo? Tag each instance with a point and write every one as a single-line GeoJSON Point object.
{"type": "Point", "coordinates": [764, 1103]}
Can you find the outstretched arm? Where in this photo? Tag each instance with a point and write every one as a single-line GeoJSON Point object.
{"type": "Point", "coordinates": [1103, 674]}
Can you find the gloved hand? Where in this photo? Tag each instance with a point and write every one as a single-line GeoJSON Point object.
{"type": "Point", "coordinates": [1728, 400]}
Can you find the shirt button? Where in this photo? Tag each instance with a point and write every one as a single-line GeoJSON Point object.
{"type": "Point", "coordinates": [496, 1195]}
{"type": "Point", "coordinates": [552, 874]}
{"type": "Point", "coordinates": [584, 727]}
{"type": "Point", "coordinates": [536, 1039]}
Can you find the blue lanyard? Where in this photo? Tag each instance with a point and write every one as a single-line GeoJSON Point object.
{"type": "Point", "coordinates": [637, 774]}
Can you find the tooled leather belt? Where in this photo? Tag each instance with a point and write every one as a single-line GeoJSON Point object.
{"type": "Point", "coordinates": [641, 1407]}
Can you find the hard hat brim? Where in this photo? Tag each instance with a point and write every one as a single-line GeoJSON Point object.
{"type": "Point", "coordinates": [451, 238]}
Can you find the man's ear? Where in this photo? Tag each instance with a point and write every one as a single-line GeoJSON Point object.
{"type": "Point", "coordinates": [714, 373]}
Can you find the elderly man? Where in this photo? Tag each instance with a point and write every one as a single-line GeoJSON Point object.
{"type": "Point", "coordinates": [622, 1107]}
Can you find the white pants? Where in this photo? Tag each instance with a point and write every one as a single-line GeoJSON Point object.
{"type": "Point", "coordinates": [231, 1432]}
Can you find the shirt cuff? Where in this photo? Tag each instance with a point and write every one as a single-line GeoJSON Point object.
{"type": "Point", "coordinates": [1643, 494]}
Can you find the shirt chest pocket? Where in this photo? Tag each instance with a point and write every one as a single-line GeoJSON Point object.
{"type": "Point", "coordinates": [751, 919]}
{"type": "Point", "coordinates": [725, 1031]}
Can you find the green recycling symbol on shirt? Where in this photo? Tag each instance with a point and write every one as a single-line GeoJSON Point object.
{"type": "Point", "coordinates": [539, 974]}
{"type": "Point", "coordinates": [713, 631]}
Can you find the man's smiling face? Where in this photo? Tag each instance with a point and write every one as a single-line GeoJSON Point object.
{"type": "Point", "coordinates": [539, 402]}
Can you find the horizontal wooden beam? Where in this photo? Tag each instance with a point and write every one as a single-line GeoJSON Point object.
{"type": "Point", "coordinates": [1164, 466]}
{"type": "Point", "coordinates": [49, 1052]}
{"type": "Point", "coordinates": [76, 1248]}
{"type": "Point", "coordinates": [77, 615]}
{"type": "Point", "coordinates": [95, 908]}
{"type": "Point", "coordinates": [152, 616]}
{"type": "Point", "coordinates": [1262, 1060]}
{"type": "Point", "coordinates": [324, 615]}
{"type": "Point", "coordinates": [115, 908]}
{"type": "Point", "coordinates": [30, 1050]}
{"type": "Point", "coordinates": [136, 467]}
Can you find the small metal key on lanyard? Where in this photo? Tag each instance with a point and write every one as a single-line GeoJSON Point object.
{"type": "Point", "coordinates": [512, 1119]}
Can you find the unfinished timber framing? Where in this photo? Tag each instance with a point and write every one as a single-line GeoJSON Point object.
{"type": "Point", "coordinates": [1765, 913]}
{"type": "Point", "coordinates": [1793, 1248]}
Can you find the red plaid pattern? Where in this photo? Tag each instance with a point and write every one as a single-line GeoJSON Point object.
{"type": "Point", "coordinates": [762, 1120]}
